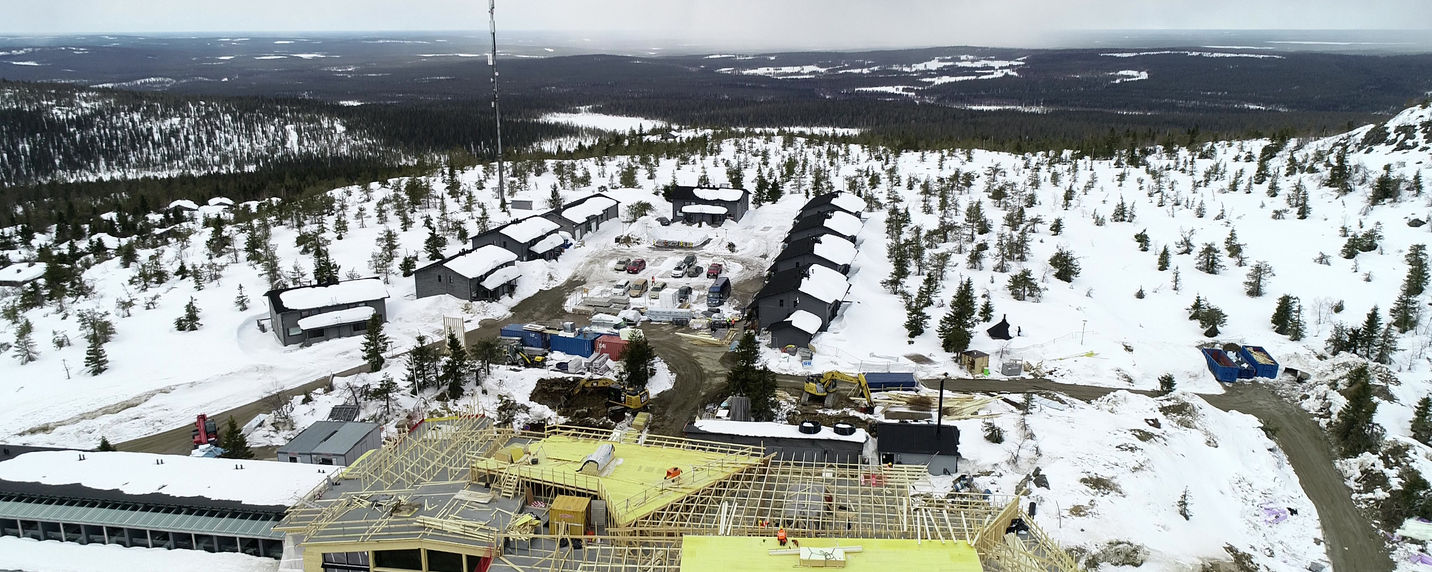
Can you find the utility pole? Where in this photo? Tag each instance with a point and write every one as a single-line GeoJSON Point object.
{"type": "Point", "coordinates": [496, 109]}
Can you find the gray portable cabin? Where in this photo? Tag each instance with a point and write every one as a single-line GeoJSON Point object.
{"type": "Point", "coordinates": [584, 216]}
{"type": "Point", "coordinates": [816, 289]}
{"type": "Point", "coordinates": [331, 443]}
{"type": "Point", "coordinates": [306, 314]}
{"type": "Point", "coordinates": [531, 238]}
{"type": "Point", "coordinates": [487, 273]}
{"type": "Point", "coordinates": [920, 444]}
{"type": "Point", "coordinates": [708, 205]}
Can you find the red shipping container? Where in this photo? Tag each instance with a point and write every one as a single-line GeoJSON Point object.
{"type": "Point", "coordinates": [610, 345]}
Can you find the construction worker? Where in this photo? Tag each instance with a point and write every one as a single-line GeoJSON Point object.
{"type": "Point", "coordinates": [781, 536]}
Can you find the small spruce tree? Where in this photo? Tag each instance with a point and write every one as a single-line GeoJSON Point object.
{"type": "Point", "coordinates": [96, 361]}
{"type": "Point", "coordinates": [105, 445]}
{"type": "Point", "coordinates": [234, 443]}
{"type": "Point", "coordinates": [241, 301]}
{"type": "Point", "coordinates": [375, 344]}
{"type": "Point", "coordinates": [1422, 421]}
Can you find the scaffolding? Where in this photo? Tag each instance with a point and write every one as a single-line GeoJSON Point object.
{"type": "Point", "coordinates": [460, 482]}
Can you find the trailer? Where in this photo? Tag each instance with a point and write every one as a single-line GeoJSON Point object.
{"type": "Point", "coordinates": [894, 380]}
{"type": "Point", "coordinates": [1261, 361]}
{"type": "Point", "coordinates": [579, 344]}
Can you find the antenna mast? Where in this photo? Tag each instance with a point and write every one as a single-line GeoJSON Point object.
{"type": "Point", "coordinates": [496, 109]}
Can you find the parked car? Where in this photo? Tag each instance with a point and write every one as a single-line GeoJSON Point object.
{"type": "Point", "coordinates": [621, 264]}
{"type": "Point", "coordinates": [694, 271]}
{"type": "Point", "coordinates": [683, 294]}
{"type": "Point", "coordinates": [681, 267]}
{"type": "Point", "coordinates": [637, 288]}
{"type": "Point", "coordinates": [663, 221]}
{"type": "Point", "coordinates": [636, 265]}
{"type": "Point", "coordinates": [714, 270]}
{"type": "Point", "coordinates": [656, 289]}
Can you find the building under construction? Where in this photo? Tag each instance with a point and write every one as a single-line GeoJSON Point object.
{"type": "Point", "coordinates": [458, 494]}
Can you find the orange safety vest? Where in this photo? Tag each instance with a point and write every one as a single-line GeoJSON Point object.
{"type": "Point", "coordinates": [781, 534]}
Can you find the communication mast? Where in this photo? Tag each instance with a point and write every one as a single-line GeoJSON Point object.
{"type": "Point", "coordinates": [496, 109]}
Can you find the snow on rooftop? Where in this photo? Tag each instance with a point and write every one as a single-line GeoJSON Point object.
{"type": "Point", "coordinates": [547, 244]}
{"type": "Point", "coordinates": [588, 209]}
{"type": "Point", "coordinates": [848, 202]}
{"type": "Point", "coordinates": [349, 292]}
{"type": "Point", "coordinates": [30, 554]}
{"type": "Point", "coordinates": [221, 202]}
{"type": "Point", "coordinates": [714, 194]}
{"type": "Point", "coordinates": [267, 483]}
{"type": "Point", "coordinates": [775, 430]}
{"type": "Point", "coordinates": [529, 228]}
{"type": "Point", "coordinates": [805, 321]}
{"type": "Point", "coordinates": [185, 204]}
{"type": "Point", "coordinates": [479, 262]}
{"type": "Point", "coordinates": [703, 209]}
{"type": "Point", "coordinates": [501, 276]}
{"type": "Point", "coordinates": [336, 317]}
{"type": "Point", "coordinates": [844, 223]}
{"type": "Point", "coordinates": [824, 284]}
{"type": "Point", "coordinates": [22, 272]}
{"type": "Point", "coordinates": [835, 249]}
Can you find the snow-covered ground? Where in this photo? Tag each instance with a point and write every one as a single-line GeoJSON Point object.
{"type": "Point", "coordinates": [257, 483]}
{"type": "Point", "coordinates": [50, 556]}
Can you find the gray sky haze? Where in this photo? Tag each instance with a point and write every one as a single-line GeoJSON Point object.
{"type": "Point", "coordinates": [790, 23]}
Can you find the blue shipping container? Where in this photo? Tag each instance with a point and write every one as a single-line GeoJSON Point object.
{"type": "Point", "coordinates": [582, 344]}
{"type": "Point", "coordinates": [1262, 362]}
{"type": "Point", "coordinates": [530, 338]}
{"type": "Point", "coordinates": [1222, 368]}
{"type": "Point", "coordinates": [511, 331]}
{"type": "Point", "coordinates": [886, 381]}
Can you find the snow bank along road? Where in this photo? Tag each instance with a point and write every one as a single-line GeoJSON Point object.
{"type": "Point", "coordinates": [1353, 542]}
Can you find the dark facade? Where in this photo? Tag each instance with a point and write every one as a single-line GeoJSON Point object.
{"type": "Point", "coordinates": [802, 254]}
{"type": "Point", "coordinates": [817, 225]}
{"type": "Point", "coordinates": [306, 314]}
{"type": "Point", "coordinates": [470, 275]}
{"type": "Point", "coordinates": [735, 203]}
{"type": "Point", "coordinates": [937, 446]}
{"type": "Point", "coordinates": [832, 202]}
{"type": "Point", "coordinates": [531, 238]}
{"type": "Point", "coordinates": [782, 296]}
{"type": "Point", "coordinates": [584, 216]}
{"type": "Point", "coordinates": [785, 334]}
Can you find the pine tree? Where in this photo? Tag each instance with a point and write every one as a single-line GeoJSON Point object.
{"type": "Point", "coordinates": [1258, 276]}
{"type": "Point", "coordinates": [234, 443]}
{"type": "Point", "coordinates": [1367, 336]}
{"type": "Point", "coordinates": [241, 301]}
{"type": "Point", "coordinates": [638, 363]}
{"type": "Point", "coordinates": [1404, 313]}
{"type": "Point", "coordinates": [1065, 265]}
{"type": "Point", "coordinates": [190, 320]}
{"type": "Point", "coordinates": [1207, 260]}
{"type": "Point", "coordinates": [422, 360]}
{"type": "Point", "coordinates": [375, 344]}
{"type": "Point", "coordinates": [1022, 286]}
{"type": "Point", "coordinates": [434, 243]}
{"type": "Point", "coordinates": [25, 342]}
{"type": "Point", "coordinates": [455, 369]}
{"type": "Point", "coordinates": [1353, 428]}
{"type": "Point", "coordinates": [751, 379]}
{"type": "Point", "coordinates": [1183, 505]}
{"type": "Point", "coordinates": [986, 309]}
{"type": "Point", "coordinates": [1416, 281]}
{"type": "Point", "coordinates": [1167, 384]}
{"type": "Point", "coordinates": [1422, 421]}
{"type": "Point", "coordinates": [384, 390]}
{"type": "Point", "coordinates": [1386, 346]}
{"type": "Point", "coordinates": [1056, 227]}
{"type": "Point", "coordinates": [1295, 324]}
{"type": "Point", "coordinates": [1283, 314]}
{"type": "Point", "coordinates": [105, 445]}
{"type": "Point", "coordinates": [954, 328]}
{"type": "Point", "coordinates": [96, 361]}
{"type": "Point", "coordinates": [915, 318]}
{"type": "Point", "coordinates": [325, 270]}
{"type": "Point", "coordinates": [1163, 259]}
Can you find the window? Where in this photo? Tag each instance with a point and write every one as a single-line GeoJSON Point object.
{"type": "Point", "coordinates": [781, 303]}
{"type": "Point", "coordinates": [444, 561]}
{"type": "Point", "coordinates": [292, 459]}
{"type": "Point", "coordinates": [325, 461]}
{"type": "Point", "coordinates": [401, 559]}
{"type": "Point", "coordinates": [295, 331]}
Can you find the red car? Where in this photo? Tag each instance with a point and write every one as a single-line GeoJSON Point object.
{"type": "Point", "coordinates": [714, 270]}
{"type": "Point", "coordinates": [636, 266]}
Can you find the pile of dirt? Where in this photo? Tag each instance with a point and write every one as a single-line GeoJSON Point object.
{"type": "Point", "coordinates": [828, 419]}
{"type": "Point", "coordinates": [588, 407]}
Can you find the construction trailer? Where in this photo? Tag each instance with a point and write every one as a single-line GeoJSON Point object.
{"type": "Point", "coordinates": [891, 380]}
{"type": "Point", "coordinates": [331, 443]}
{"type": "Point", "coordinates": [452, 495]}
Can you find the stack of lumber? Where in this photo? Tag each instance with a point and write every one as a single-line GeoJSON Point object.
{"type": "Point", "coordinates": [957, 405]}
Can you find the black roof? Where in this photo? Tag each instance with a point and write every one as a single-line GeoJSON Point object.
{"type": "Point", "coordinates": [688, 193]}
{"type": "Point", "coordinates": [73, 492]}
{"type": "Point", "coordinates": [787, 280]}
{"type": "Point", "coordinates": [814, 221]}
{"type": "Point", "coordinates": [1000, 331]}
{"type": "Point", "coordinates": [918, 438]}
{"type": "Point", "coordinates": [819, 202]}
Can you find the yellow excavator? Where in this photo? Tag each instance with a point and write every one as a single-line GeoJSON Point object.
{"type": "Point", "coordinates": [818, 388]}
{"type": "Point", "coordinates": [623, 396]}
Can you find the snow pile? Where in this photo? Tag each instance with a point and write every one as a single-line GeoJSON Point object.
{"type": "Point", "coordinates": [22, 272]}
{"type": "Point", "coordinates": [848, 202]}
{"type": "Point", "coordinates": [1121, 476]}
{"type": "Point", "coordinates": [824, 284]}
{"type": "Point", "coordinates": [529, 228]}
{"type": "Point", "coordinates": [501, 276]}
{"type": "Point", "coordinates": [29, 554]}
{"type": "Point", "coordinates": [480, 261]}
{"type": "Point", "coordinates": [347, 292]}
{"type": "Point", "coordinates": [265, 483]}
{"type": "Point", "coordinates": [805, 321]}
{"type": "Point", "coordinates": [718, 194]}
{"type": "Point", "coordinates": [704, 209]}
{"type": "Point", "coordinates": [336, 317]}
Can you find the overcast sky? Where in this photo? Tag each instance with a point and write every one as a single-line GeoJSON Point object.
{"type": "Point", "coordinates": [732, 22]}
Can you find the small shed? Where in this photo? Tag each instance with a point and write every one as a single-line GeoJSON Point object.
{"type": "Point", "coordinates": [1262, 363]}
{"type": "Point", "coordinates": [331, 443]}
{"type": "Point", "coordinates": [974, 361]}
{"type": "Point", "coordinates": [568, 515]}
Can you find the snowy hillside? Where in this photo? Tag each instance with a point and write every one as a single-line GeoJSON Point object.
{"type": "Point", "coordinates": [1120, 320]}
{"type": "Point", "coordinates": [66, 134]}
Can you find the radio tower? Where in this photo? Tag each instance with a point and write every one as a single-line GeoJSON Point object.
{"type": "Point", "coordinates": [496, 109]}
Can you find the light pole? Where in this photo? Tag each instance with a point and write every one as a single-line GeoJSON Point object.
{"type": "Point", "coordinates": [1081, 333]}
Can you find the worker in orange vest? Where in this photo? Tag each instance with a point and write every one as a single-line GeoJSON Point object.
{"type": "Point", "coordinates": [781, 536]}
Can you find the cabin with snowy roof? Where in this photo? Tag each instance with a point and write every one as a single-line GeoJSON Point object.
{"type": "Point", "coordinates": [832, 202]}
{"type": "Point", "coordinates": [485, 273]}
{"type": "Point", "coordinates": [790, 295]}
{"type": "Point", "coordinates": [584, 216]}
{"type": "Point", "coordinates": [828, 250]}
{"type": "Point", "coordinates": [531, 238]}
{"type": "Point", "coordinates": [844, 225]}
{"type": "Point", "coordinates": [306, 314]}
{"type": "Point", "coordinates": [22, 273]}
{"type": "Point", "coordinates": [708, 205]}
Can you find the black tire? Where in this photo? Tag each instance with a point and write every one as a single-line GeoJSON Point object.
{"type": "Point", "coordinates": [810, 427]}
{"type": "Point", "coordinates": [844, 429]}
